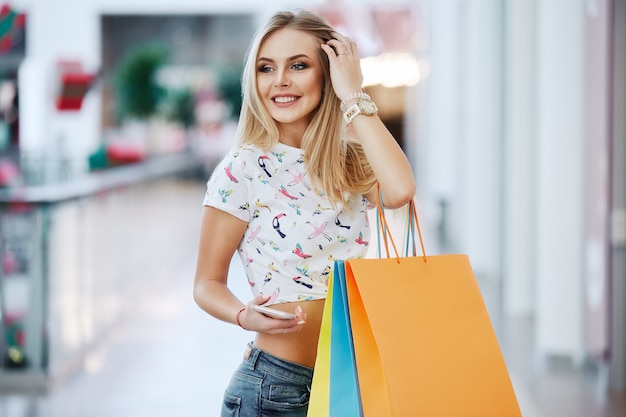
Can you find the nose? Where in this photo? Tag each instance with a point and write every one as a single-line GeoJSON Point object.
{"type": "Point", "coordinates": [282, 79]}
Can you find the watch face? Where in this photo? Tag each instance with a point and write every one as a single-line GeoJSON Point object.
{"type": "Point", "coordinates": [368, 106]}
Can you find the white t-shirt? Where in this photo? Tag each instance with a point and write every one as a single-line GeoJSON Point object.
{"type": "Point", "coordinates": [294, 234]}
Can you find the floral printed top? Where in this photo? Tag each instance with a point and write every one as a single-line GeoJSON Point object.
{"type": "Point", "coordinates": [294, 234]}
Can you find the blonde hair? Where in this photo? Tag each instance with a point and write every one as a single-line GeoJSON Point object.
{"type": "Point", "coordinates": [335, 163]}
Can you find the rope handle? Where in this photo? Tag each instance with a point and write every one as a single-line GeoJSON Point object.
{"type": "Point", "coordinates": [412, 228]}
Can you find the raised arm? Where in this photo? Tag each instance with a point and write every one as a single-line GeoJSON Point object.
{"type": "Point", "coordinates": [389, 163]}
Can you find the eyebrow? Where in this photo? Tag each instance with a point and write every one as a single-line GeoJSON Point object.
{"type": "Point", "coordinates": [291, 58]}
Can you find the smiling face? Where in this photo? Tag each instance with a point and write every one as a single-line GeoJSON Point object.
{"type": "Point", "coordinates": [290, 78]}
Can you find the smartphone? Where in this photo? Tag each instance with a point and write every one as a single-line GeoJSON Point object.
{"type": "Point", "coordinates": [272, 312]}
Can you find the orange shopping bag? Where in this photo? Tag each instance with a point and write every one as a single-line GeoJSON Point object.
{"type": "Point", "coordinates": [423, 339]}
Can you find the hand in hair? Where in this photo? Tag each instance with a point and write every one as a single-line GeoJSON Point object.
{"type": "Point", "coordinates": [345, 65]}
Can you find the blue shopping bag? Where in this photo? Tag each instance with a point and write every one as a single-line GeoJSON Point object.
{"type": "Point", "coordinates": [345, 397]}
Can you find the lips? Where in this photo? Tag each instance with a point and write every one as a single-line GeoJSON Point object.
{"type": "Point", "coordinates": [284, 100]}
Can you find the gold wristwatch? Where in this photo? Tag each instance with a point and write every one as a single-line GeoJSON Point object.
{"type": "Point", "coordinates": [363, 106]}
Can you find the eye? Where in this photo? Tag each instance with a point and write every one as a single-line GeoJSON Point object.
{"type": "Point", "coordinates": [299, 66]}
{"type": "Point", "coordinates": [265, 68]}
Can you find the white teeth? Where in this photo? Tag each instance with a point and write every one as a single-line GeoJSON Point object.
{"type": "Point", "coordinates": [284, 99]}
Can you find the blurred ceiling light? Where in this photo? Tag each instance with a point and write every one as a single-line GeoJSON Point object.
{"type": "Point", "coordinates": [393, 69]}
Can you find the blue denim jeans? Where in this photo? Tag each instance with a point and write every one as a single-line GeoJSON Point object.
{"type": "Point", "coordinates": [267, 386]}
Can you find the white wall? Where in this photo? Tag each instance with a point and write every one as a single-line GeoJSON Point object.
{"type": "Point", "coordinates": [438, 123]}
{"type": "Point", "coordinates": [462, 142]}
{"type": "Point", "coordinates": [559, 179]}
{"type": "Point", "coordinates": [481, 183]}
{"type": "Point", "coordinates": [503, 142]}
{"type": "Point", "coordinates": [519, 156]}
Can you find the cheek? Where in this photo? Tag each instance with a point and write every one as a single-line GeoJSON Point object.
{"type": "Point", "coordinates": [315, 86]}
{"type": "Point", "coordinates": [262, 84]}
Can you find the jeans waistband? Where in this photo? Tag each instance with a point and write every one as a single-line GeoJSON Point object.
{"type": "Point", "coordinates": [259, 359]}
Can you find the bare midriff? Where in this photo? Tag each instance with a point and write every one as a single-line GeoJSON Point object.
{"type": "Point", "coordinates": [300, 347]}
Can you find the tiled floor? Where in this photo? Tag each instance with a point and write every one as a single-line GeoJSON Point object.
{"type": "Point", "coordinates": [169, 359]}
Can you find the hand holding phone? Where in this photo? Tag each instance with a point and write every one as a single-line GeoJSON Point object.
{"type": "Point", "coordinates": [272, 312]}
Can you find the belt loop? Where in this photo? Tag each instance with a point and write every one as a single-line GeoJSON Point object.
{"type": "Point", "coordinates": [254, 356]}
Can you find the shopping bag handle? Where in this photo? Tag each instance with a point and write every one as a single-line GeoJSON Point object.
{"type": "Point", "coordinates": [411, 228]}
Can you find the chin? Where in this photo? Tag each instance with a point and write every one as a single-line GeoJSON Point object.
{"type": "Point", "coordinates": [292, 120]}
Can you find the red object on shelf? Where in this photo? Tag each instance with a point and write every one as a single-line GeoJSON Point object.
{"type": "Point", "coordinates": [74, 83]}
{"type": "Point", "coordinates": [119, 153]}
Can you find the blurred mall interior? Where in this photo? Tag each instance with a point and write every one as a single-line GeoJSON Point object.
{"type": "Point", "coordinates": [113, 113]}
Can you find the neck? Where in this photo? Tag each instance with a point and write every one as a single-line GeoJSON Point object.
{"type": "Point", "coordinates": [292, 135]}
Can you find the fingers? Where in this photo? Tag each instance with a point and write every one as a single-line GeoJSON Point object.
{"type": "Point", "coordinates": [342, 45]}
{"type": "Point", "coordinates": [260, 299]}
{"type": "Point", "coordinates": [345, 66]}
{"type": "Point", "coordinates": [294, 328]}
{"type": "Point", "coordinates": [264, 323]}
{"type": "Point", "coordinates": [332, 55]}
{"type": "Point", "coordinates": [349, 44]}
{"type": "Point", "coordinates": [293, 325]}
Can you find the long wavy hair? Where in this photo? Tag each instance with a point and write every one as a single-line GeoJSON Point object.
{"type": "Point", "coordinates": [335, 163]}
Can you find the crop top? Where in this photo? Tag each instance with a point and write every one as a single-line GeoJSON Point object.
{"type": "Point", "coordinates": [294, 234]}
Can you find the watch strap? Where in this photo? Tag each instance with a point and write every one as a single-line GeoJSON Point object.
{"type": "Point", "coordinates": [352, 112]}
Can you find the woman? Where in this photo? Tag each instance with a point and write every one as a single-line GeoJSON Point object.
{"type": "Point", "coordinates": [292, 197]}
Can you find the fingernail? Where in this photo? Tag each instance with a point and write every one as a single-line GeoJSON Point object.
{"type": "Point", "coordinates": [298, 309]}
{"type": "Point", "coordinates": [301, 322]}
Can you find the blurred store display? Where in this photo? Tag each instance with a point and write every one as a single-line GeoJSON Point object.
{"type": "Point", "coordinates": [73, 83]}
{"type": "Point", "coordinates": [12, 25]}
